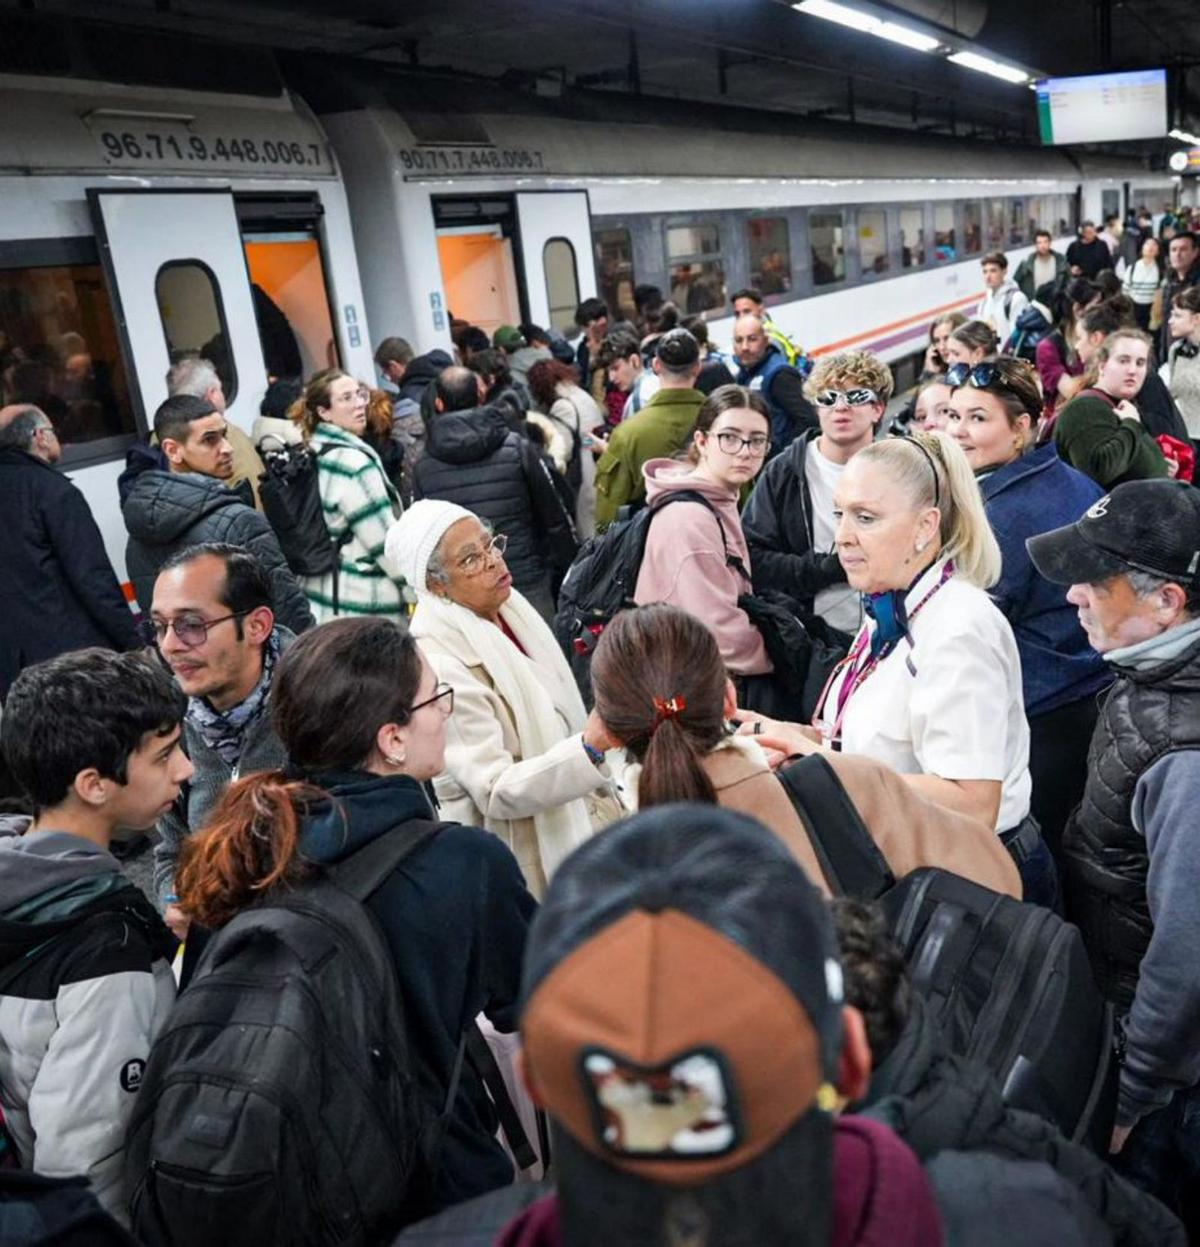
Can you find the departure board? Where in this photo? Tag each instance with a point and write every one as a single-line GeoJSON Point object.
{"type": "Point", "coordinates": [1103, 107]}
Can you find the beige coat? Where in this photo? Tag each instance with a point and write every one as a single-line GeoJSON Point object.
{"type": "Point", "coordinates": [910, 830]}
{"type": "Point", "coordinates": [488, 782]}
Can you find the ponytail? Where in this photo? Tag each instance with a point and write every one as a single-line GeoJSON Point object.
{"type": "Point", "coordinates": [671, 769]}
{"type": "Point", "coordinates": [250, 845]}
{"type": "Point", "coordinates": [933, 470]}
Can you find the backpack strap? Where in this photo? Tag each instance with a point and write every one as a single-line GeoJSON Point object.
{"type": "Point", "coordinates": [364, 871]}
{"type": "Point", "coordinates": [483, 1061]}
{"type": "Point", "coordinates": [691, 495]}
{"type": "Point", "coordinates": [850, 859]}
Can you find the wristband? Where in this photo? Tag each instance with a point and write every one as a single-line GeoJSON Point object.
{"type": "Point", "coordinates": [595, 756]}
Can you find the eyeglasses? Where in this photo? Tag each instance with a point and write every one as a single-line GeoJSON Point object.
{"type": "Point", "coordinates": [443, 690]}
{"type": "Point", "coordinates": [852, 398]}
{"type": "Point", "coordinates": [190, 630]}
{"type": "Point", "coordinates": [477, 560]}
{"type": "Point", "coordinates": [732, 443]}
{"type": "Point", "coordinates": [980, 377]}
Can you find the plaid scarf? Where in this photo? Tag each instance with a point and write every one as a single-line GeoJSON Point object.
{"type": "Point", "coordinates": [224, 730]}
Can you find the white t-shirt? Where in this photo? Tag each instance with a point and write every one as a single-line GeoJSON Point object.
{"type": "Point", "coordinates": [1044, 271]}
{"type": "Point", "coordinates": [840, 606]}
{"type": "Point", "coordinates": [949, 704]}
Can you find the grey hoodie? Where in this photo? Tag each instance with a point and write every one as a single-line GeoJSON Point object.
{"type": "Point", "coordinates": [85, 986]}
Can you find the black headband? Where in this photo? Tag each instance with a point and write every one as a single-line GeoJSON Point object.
{"type": "Point", "coordinates": [937, 493]}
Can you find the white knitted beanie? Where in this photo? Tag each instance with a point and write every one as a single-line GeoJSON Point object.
{"type": "Point", "coordinates": [414, 537]}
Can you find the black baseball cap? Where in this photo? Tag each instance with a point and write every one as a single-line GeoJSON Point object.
{"type": "Point", "coordinates": [682, 1021]}
{"type": "Point", "coordinates": [1144, 526]}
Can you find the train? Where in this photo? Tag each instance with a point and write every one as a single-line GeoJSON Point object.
{"type": "Point", "coordinates": [140, 222]}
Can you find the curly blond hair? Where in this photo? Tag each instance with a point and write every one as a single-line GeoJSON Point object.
{"type": "Point", "coordinates": [848, 370]}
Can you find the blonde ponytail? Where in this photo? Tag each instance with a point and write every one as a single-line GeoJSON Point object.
{"type": "Point", "coordinates": [965, 533]}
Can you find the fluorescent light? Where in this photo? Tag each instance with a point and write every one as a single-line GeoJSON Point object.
{"type": "Point", "coordinates": [867, 24]}
{"type": "Point", "coordinates": [909, 38]}
{"type": "Point", "coordinates": [1183, 136]}
{"type": "Point", "coordinates": [985, 65]}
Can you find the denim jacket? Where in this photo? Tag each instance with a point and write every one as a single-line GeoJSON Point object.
{"type": "Point", "coordinates": [1029, 496]}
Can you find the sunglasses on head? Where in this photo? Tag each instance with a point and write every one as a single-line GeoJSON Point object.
{"type": "Point", "coordinates": [981, 376]}
{"type": "Point", "coordinates": [852, 398]}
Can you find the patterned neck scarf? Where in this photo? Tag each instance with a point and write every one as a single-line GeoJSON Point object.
{"type": "Point", "coordinates": [224, 730]}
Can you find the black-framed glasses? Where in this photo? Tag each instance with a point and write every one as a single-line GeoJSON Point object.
{"type": "Point", "coordinates": [443, 690]}
{"type": "Point", "coordinates": [731, 443]}
{"type": "Point", "coordinates": [852, 398]}
{"type": "Point", "coordinates": [477, 560]}
{"type": "Point", "coordinates": [190, 630]}
{"type": "Point", "coordinates": [980, 377]}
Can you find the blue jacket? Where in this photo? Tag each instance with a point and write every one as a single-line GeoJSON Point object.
{"type": "Point", "coordinates": [1032, 495]}
{"type": "Point", "coordinates": [790, 410]}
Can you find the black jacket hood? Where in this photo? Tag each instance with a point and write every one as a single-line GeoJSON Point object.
{"type": "Point", "coordinates": [466, 436]}
{"type": "Point", "coordinates": [160, 507]}
{"type": "Point", "coordinates": [138, 459]}
{"type": "Point", "coordinates": [421, 371]}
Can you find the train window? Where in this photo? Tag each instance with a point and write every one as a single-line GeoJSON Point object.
{"type": "Point", "coordinates": [1154, 199]}
{"type": "Point", "coordinates": [912, 236]}
{"type": "Point", "coordinates": [686, 241]}
{"type": "Point", "coordinates": [1035, 216]}
{"type": "Point", "coordinates": [770, 254]}
{"type": "Point", "coordinates": [1016, 222]}
{"type": "Point", "coordinates": [972, 228]}
{"type": "Point", "coordinates": [997, 225]}
{"type": "Point", "coordinates": [825, 242]}
{"type": "Point", "coordinates": [59, 351]}
{"type": "Point", "coordinates": [945, 237]}
{"type": "Point", "coordinates": [193, 318]}
{"type": "Point", "coordinates": [872, 241]}
{"type": "Point", "coordinates": [697, 275]}
{"type": "Point", "coordinates": [562, 282]}
{"type": "Point", "coordinates": [614, 271]}
{"type": "Point", "coordinates": [1110, 203]}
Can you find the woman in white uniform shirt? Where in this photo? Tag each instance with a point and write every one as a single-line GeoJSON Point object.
{"type": "Point", "coordinates": [932, 683]}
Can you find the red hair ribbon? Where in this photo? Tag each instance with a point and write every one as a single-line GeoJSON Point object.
{"type": "Point", "coordinates": [668, 708]}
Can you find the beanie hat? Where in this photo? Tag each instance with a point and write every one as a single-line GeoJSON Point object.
{"type": "Point", "coordinates": [414, 537]}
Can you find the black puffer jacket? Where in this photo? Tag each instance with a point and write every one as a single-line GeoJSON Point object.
{"type": "Point", "coordinates": [168, 511]}
{"type": "Point", "coordinates": [58, 591]}
{"type": "Point", "coordinates": [778, 525]}
{"type": "Point", "coordinates": [951, 1113]}
{"type": "Point", "coordinates": [474, 459]}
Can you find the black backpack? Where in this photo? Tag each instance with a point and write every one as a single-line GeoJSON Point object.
{"type": "Point", "coordinates": [290, 493]}
{"type": "Point", "coordinates": [1031, 328]}
{"type": "Point", "coordinates": [1008, 983]}
{"type": "Point", "coordinates": [601, 581]}
{"type": "Point", "coordinates": [280, 1105]}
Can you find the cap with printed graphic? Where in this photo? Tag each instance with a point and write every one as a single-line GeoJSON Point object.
{"type": "Point", "coordinates": [683, 1001]}
{"type": "Point", "coordinates": [1145, 526]}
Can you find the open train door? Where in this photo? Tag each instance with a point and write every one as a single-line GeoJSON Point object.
{"type": "Point", "coordinates": [177, 274]}
{"type": "Point", "coordinates": [556, 251]}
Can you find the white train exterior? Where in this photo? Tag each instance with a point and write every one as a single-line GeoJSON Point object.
{"type": "Point", "coordinates": [136, 223]}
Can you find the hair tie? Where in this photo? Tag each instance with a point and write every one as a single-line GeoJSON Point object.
{"type": "Point", "coordinates": [667, 708]}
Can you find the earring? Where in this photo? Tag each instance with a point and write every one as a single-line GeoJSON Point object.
{"type": "Point", "coordinates": [921, 547]}
{"type": "Point", "coordinates": [394, 761]}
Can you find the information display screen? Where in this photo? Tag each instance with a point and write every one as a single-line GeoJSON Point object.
{"type": "Point", "coordinates": [1103, 107]}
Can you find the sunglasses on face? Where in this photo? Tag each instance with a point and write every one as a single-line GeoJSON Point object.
{"type": "Point", "coordinates": [852, 398]}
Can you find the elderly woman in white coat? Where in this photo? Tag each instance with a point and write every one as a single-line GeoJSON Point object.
{"type": "Point", "coordinates": [523, 758]}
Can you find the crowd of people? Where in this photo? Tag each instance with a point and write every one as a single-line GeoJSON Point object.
{"type": "Point", "coordinates": [619, 693]}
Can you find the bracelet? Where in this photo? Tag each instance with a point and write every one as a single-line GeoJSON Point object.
{"type": "Point", "coordinates": [595, 756]}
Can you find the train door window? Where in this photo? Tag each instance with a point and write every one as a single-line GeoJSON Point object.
{"type": "Point", "coordinates": [479, 276]}
{"type": "Point", "coordinates": [1110, 203]}
{"type": "Point", "coordinates": [912, 237]}
{"type": "Point", "coordinates": [945, 236]}
{"type": "Point", "coordinates": [872, 241]}
{"type": "Point", "coordinates": [972, 227]}
{"type": "Point", "coordinates": [193, 320]}
{"type": "Point", "coordinates": [59, 348]}
{"type": "Point", "coordinates": [282, 242]}
{"type": "Point", "coordinates": [1035, 216]}
{"type": "Point", "coordinates": [770, 254]}
{"type": "Point", "coordinates": [697, 270]}
{"type": "Point", "coordinates": [826, 244]}
{"type": "Point", "coordinates": [614, 271]}
{"type": "Point", "coordinates": [1016, 222]}
{"type": "Point", "coordinates": [562, 282]}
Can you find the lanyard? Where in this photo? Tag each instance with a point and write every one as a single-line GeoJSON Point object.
{"type": "Point", "coordinates": [857, 675]}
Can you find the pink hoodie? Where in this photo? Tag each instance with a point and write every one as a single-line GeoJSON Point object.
{"type": "Point", "coordinates": [685, 565]}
